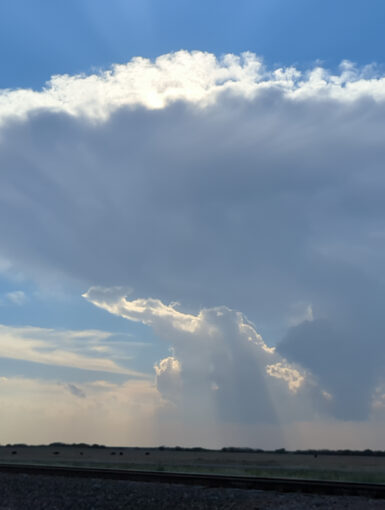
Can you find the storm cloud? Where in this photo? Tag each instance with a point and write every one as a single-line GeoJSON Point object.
{"type": "Point", "coordinates": [213, 182]}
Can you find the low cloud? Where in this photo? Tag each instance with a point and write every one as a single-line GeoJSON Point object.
{"type": "Point", "coordinates": [222, 381]}
{"type": "Point", "coordinates": [220, 366]}
{"type": "Point", "coordinates": [75, 390]}
{"type": "Point", "coordinates": [346, 360]}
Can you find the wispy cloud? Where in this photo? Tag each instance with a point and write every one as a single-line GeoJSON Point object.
{"type": "Point", "coordinates": [60, 348]}
{"type": "Point", "coordinates": [17, 297]}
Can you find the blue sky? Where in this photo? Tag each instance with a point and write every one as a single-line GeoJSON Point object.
{"type": "Point", "coordinates": [43, 38]}
{"type": "Point", "coordinates": [193, 239]}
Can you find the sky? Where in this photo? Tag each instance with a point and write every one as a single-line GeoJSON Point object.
{"type": "Point", "coordinates": [192, 225]}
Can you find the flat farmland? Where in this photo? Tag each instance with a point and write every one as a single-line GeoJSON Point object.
{"type": "Point", "coordinates": [325, 467]}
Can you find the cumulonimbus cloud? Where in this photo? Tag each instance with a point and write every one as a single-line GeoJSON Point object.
{"type": "Point", "coordinates": [213, 182]}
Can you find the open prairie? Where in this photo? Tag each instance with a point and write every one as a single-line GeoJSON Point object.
{"type": "Point", "coordinates": [335, 467]}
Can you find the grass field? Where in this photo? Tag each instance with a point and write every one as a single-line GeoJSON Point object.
{"type": "Point", "coordinates": [321, 467]}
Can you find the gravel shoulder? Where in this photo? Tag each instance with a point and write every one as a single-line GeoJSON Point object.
{"type": "Point", "coordinates": [22, 492]}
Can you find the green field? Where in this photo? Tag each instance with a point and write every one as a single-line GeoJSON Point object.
{"type": "Point", "coordinates": [357, 468]}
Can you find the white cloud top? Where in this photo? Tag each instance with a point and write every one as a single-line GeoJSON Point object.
{"type": "Point", "coordinates": [196, 77]}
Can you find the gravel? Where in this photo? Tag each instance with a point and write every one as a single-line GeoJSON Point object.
{"type": "Point", "coordinates": [32, 492]}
